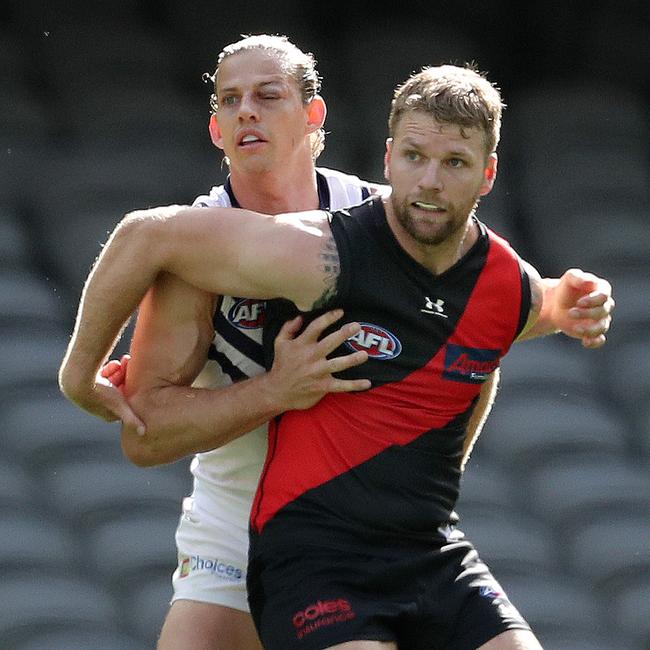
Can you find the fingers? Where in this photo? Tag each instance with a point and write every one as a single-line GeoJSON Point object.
{"type": "Point", "coordinates": [592, 330]}
{"type": "Point", "coordinates": [130, 419]}
{"type": "Point", "coordinates": [107, 402]}
{"type": "Point", "coordinates": [592, 343]}
{"type": "Point", "coordinates": [348, 385]}
{"type": "Point", "coordinates": [339, 364]}
{"type": "Point", "coordinates": [314, 330]}
{"type": "Point", "coordinates": [120, 407]}
{"type": "Point", "coordinates": [577, 278]}
{"type": "Point", "coordinates": [596, 313]}
{"type": "Point", "coordinates": [592, 314]}
{"type": "Point", "coordinates": [598, 290]}
{"type": "Point", "coordinates": [118, 377]}
{"type": "Point", "coordinates": [596, 299]}
{"type": "Point", "coordinates": [110, 368]}
{"type": "Point", "coordinates": [115, 371]}
{"type": "Point", "coordinates": [289, 330]}
{"type": "Point", "coordinates": [332, 341]}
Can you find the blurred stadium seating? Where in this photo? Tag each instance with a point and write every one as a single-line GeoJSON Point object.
{"type": "Point", "coordinates": [104, 111]}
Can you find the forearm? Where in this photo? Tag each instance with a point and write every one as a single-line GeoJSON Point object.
{"type": "Point", "coordinates": [184, 420]}
{"type": "Point", "coordinates": [221, 251]}
{"type": "Point", "coordinates": [113, 290]}
{"type": "Point", "coordinates": [544, 324]}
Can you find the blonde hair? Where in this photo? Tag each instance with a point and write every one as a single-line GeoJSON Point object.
{"type": "Point", "coordinates": [454, 95]}
{"type": "Point", "coordinates": [299, 65]}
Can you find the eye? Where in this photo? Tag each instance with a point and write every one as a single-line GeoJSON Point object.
{"type": "Point", "coordinates": [228, 100]}
{"type": "Point", "coordinates": [412, 156]}
{"type": "Point", "coordinates": [456, 162]}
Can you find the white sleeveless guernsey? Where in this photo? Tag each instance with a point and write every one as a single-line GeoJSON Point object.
{"type": "Point", "coordinates": [212, 536]}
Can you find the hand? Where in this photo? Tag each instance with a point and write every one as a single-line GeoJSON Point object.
{"type": "Point", "coordinates": [583, 306]}
{"type": "Point", "coordinates": [104, 399]}
{"type": "Point", "coordinates": [115, 371]}
{"type": "Point", "coordinates": [302, 374]}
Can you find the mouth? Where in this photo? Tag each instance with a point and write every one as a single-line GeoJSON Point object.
{"type": "Point", "coordinates": [249, 140]}
{"type": "Point", "coordinates": [433, 208]}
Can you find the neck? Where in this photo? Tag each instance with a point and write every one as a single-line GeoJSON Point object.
{"type": "Point", "coordinates": [277, 191]}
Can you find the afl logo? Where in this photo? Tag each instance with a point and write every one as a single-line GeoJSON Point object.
{"type": "Point", "coordinates": [376, 341]}
{"type": "Point", "coordinates": [247, 314]}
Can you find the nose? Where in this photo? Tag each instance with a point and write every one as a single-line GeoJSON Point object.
{"type": "Point", "coordinates": [247, 108]}
{"type": "Point", "coordinates": [431, 178]}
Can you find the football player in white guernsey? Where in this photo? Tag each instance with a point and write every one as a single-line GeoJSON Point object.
{"type": "Point", "coordinates": [268, 119]}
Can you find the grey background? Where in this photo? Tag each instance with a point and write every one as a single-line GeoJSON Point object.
{"type": "Point", "coordinates": [103, 110]}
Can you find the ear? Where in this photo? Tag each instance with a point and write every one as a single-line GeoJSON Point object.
{"type": "Point", "coordinates": [489, 174]}
{"type": "Point", "coordinates": [215, 132]}
{"type": "Point", "coordinates": [316, 113]}
{"type": "Point", "coordinates": [387, 155]}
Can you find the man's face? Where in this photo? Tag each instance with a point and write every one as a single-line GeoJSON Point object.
{"type": "Point", "coordinates": [261, 115]}
{"type": "Point", "coordinates": [437, 176]}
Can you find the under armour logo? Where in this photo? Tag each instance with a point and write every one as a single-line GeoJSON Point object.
{"type": "Point", "coordinates": [436, 308]}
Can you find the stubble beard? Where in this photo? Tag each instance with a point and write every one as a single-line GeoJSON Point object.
{"type": "Point", "coordinates": [455, 222]}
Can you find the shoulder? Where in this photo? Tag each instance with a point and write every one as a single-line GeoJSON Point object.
{"type": "Point", "coordinates": [334, 176]}
{"type": "Point", "coordinates": [357, 221]}
{"type": "Point", "coordinates": [496, 240]}
{"type": "Point", "coordinates": [346, 189]}
{"type": "Point", "coordinates": [499, 250]}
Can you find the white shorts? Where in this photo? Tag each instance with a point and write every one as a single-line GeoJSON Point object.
{"type": "Point", "coordinates": [213, 550]}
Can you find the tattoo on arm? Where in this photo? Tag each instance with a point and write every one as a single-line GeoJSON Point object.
{"type": "Point", "coordinates": [330, 266]}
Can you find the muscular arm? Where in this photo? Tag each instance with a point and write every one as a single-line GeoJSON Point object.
{"type": "Point", "coordinates": [577, 304]}
{"type": "Point", "coordinates": [218, 250]}
{"type": "Point", "coordinates": [169, 349]}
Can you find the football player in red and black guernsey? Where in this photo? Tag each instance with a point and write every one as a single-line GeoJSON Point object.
{"type": "Point", "coordinates": [354, 541]}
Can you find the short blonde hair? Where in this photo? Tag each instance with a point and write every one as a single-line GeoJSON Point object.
{"type": "Point", "coordinates": [454, 95]}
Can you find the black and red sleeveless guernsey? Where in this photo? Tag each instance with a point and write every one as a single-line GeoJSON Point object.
{"type": "Point", "coordinates": [385, 463]}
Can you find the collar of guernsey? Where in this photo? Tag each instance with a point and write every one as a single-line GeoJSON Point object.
{"type": "Point", "coordinates": [321, 184]}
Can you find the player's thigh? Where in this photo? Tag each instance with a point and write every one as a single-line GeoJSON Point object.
{"type": "Point", "coordinates": [513, 640]}
{"type": "Point", "coordinates": [365, 645]}
{"type": "Point", "coordinates": [193, 625]}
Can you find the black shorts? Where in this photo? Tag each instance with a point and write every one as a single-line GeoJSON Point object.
{"type": "Point", "coordinates": [420, 596]}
